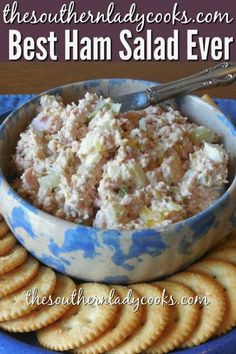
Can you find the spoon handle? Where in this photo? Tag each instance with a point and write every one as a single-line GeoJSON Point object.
{"type": "Point", "coordinates": [220, 75]}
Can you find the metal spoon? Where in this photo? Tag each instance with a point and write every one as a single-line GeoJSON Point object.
{"type": "Point", "coordinates": [220, 75]}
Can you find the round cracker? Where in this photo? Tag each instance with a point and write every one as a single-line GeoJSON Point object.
{"type": "Point", "coordinates": [44, 315]}
{"type": "Point", "coordinates": [212, 314]}
{"type": "Point", "coordinates": [225, 274]}
{"type": "Point", "coordinates": [227, 255]}
{"type": "Point", "coordinates": [13, 259]}
{"type": "Point", "coordinates": [153, 324]}
{"type": "Point", "coordinates": [183, 319]}
{"type": "Point", "coordinates": [12, 281]}
{"type": "Point", "coordinates": [4, 228]}
{"type": "Point", "coordinates": [82, 323]}
{"type": "Point", "coordinates": [127, 321]}
{"type": "Point", "coordinates": [16, 304]}
{"type": "Point", "coordinates": [7, 242]}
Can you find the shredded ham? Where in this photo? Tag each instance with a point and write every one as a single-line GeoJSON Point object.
{"type": "Point", "coordinates": [89, 164]}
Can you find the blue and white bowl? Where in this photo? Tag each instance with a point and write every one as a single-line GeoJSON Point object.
{"type": "Point", "coordinates": [115, 256]}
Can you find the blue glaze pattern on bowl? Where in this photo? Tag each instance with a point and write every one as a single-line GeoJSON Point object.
{"type": "Point", "coordinates": [115, 256]}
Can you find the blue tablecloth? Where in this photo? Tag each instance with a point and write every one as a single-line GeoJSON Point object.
{"type": "Point", "coordinates": [27, 344]}
{"type": "Point", "coordinates": [10, 102]}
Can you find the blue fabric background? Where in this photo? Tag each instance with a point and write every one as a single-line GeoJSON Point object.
{"type": "Point", "coordinates": [27, 344]}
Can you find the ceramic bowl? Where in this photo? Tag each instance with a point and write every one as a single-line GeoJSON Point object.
{"type": "Point", "coordinates": [115, 256]}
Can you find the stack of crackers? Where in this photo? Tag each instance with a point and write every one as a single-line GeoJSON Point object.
{"type": "Point", "coordinates": [122, 326]}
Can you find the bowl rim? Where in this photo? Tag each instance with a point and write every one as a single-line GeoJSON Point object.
{"type": "Point", "coordinates": [59, 221]}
